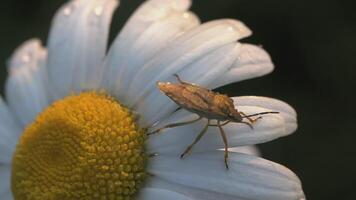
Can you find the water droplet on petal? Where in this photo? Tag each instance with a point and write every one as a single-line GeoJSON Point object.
{"type": "Point", "coordinates": [231, 28]}
{"type": "Point", "coordinates": [98, 11]}
{"type": "Point", "coordinates": [67, 11]}
{"type": "Point", "coordinates": [186, 15]}
{"type": "Point", "coordinates": [26, 58]}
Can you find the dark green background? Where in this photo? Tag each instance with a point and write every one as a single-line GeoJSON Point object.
{"type": "Point", "coordinates": [312, 44]}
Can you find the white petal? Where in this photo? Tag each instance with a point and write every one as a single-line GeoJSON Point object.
{"type": "Point", "coordinates": [248, 177]}
{"type": "Point", "coordinates": [26, 84]}
{"type": "Point", "coordinates": [253, 61]}
{"type": "Point", "coordinates": [156, 194]}
{"type": "Point", "coordinates": [250, 150]}
{"type": "Point", "coordinates": [6, 196]}
{"type": "Point", "coordinates": [148, 30]}
{"type": "Point", "coordinates": [7, 120]}
{"type": "Point", "coordinates": [182, 52]}
{"type": "Point", "coordinates": [286, 111]}
{"type": "Point", "coordinates": [202, 72]}
{"type": "Point", "coordinates": [5, 174]}
{"type": "Point", "coordinates": [10, 131]}
{"type": "Point", "coordinates": [77, 45]}
{"type": "Point", "coordinates": [7, 145]}
{"type": "Point", "coordinates": [174, 141]}
{"type": "Point", "coordinates": [152, 40]}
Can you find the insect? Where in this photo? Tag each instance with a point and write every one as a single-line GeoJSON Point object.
{"type": "Point", "coordinates": [206, 104]}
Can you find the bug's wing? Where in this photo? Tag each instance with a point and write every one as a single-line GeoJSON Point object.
{"type": "Point", "coordinates": [195, 98]}
{"type": "Point", "coordinates": [202, 101]}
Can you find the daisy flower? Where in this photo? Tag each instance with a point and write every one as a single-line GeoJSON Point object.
{"type": "Point", "coordinates": [74, 124]}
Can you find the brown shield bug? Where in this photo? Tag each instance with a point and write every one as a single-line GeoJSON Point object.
{"type": "Point", "coordinates": [206, 104]}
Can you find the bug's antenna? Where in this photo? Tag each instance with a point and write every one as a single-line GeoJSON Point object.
{"type": "Point", "coordinates": [261, 113]}
{"type": "Point", "coordinates": [182, 82]}
{"type": "Point", "coordinates": [178, 78]}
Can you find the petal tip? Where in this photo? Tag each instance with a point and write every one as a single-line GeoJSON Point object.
{"type": "Point", "coordinates": [240, 27]}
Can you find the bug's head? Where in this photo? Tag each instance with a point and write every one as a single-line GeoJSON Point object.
{"type": "Point", "coordinates": [167, 87]}
{"type": "Point", "coordinates": [234, 116]}
{"type": "Point", "coordinates": [226, 106]}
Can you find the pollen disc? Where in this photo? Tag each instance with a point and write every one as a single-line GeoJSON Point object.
{"type": "Point", "coordinates": [81, 147]}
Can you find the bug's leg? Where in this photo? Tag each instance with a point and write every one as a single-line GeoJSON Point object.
{"type": "Point", "coordinates": [223, 124]}
{"type": "Point", "coordinates": [249, 117]}
{"type": "Point", "coordinates": [152, 155]}
{"type": "Point", "coordinates": [223, 135]}
{"type": "Point", "coordinates": [200, 135]}
{"type": "Point", "coordinates": [174, 125]}
{"type": "Point", "coordinates": [150, 174]}
{"type": "Point", "coordinates": [248, 124]}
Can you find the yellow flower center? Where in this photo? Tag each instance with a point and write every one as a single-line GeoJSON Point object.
{"type": "Point", "coordinates": [81, 147]}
